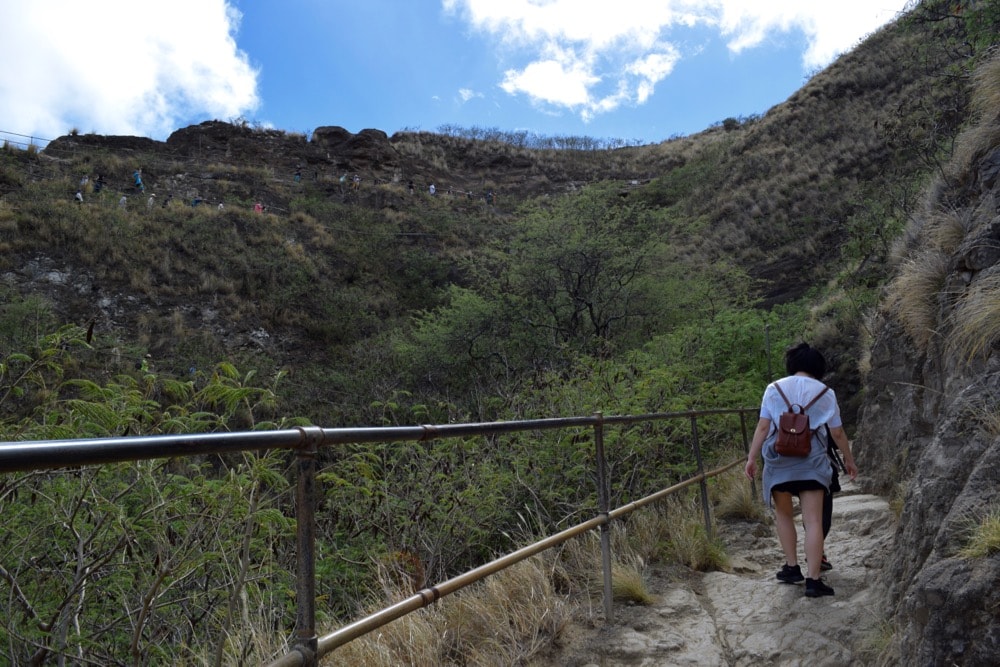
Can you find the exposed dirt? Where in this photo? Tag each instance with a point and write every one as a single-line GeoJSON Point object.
{"type": "Point", "coordinates": [744, 617]}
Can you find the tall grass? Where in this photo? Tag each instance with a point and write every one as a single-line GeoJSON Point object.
{"type": "Point", "coordinates": [983, 536]}
{"type": "Point", "coordinates": [518, 612]}
{"type": "Point", "coordinates": [913, 296]}
{"type": "Point", "coordinates": [504, 620]}
{"type": "Point", "coordinates": [735, 499]}
{"type": "Point", "coordinates": [976, 318]}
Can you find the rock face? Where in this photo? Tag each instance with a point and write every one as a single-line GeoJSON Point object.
{"type": "Point", "coordinates": [215, 141]}
{"type": "Point", "coordinates": [928, 430]}
{"type": "Point", "coordinates": [368, 146]}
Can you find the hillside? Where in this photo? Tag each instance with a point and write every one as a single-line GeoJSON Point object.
{"type": "Point", "coordinates": [262, 281]}
{"type": "Point", "coordinates": [823, 181]}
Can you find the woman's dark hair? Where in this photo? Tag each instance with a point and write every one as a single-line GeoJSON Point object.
{"type": "Point", "coordinates": [804, 359]}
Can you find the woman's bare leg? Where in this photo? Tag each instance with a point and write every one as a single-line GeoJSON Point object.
{"type": "Point", "coordinates": [785, 523]}
{"type": "Point", "coordinates": [812, 518]}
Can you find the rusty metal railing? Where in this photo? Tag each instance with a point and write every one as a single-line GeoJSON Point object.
{"type": "Point", "coordinates": [307, 647]}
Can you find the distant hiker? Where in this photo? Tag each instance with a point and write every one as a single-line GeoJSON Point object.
{"type": "Point", "coordinates": [137, 178]}
{"type": "Point", "coordinates": [197, 200]}
{"type": "Point", "coordinates": [78, 197]}
{"type": "Point", "coordinates": [356, 182]}
{"type": "Point", "coordinates": [221, 207]}
{"type": "Point", "coordinates": [410, 187]}
{"type": "Point", "coordinates": [150, 202]}
{"type": "Point", "coordinates": [167, 201]}
{"type": "Point", "coordinates": [258, 208]}
{"type": "Point", "coordinates": [84, 181]}
{"type": "Point", "coordinates": [298, 174]}
{"type": "Point", "coordinates": [489, 197]}
{"type": "Point", "coordinates": [432, 189]}
{"type": "Point", "coordinates": [99, 183]}
{"type": "Point", "coordinates": [122, 202]}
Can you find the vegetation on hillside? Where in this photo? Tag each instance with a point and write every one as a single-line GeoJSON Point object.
{"type": "Point", "coordinates": [625, 280]}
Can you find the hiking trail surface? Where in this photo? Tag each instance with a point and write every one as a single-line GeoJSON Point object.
{"type": "Point", "coordinates": [745, 617]}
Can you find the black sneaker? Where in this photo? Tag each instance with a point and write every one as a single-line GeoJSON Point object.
{"type": "Point", "coordinates": [825, 565]}
{"type": "Point", "coordinates": [790, 574]}
{"type": "Point", "coordinates": [815, 588]}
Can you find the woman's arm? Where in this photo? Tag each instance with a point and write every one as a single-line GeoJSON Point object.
{"type": "Point", "coordinates": [844, 445]}
{"type": "Point", "coordinates": [759, 433]}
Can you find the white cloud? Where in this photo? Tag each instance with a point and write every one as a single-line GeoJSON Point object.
{"type": "Point", "coordinates": [468, 94]}
{"type": "Point", "coordinates": [592, 56]}
{"type": "Point", "coordinates": [562, 77]}
{"type": "Point", "coordinates": [121, 67]}
{"type": "Point", "coordinates": [830, 28]}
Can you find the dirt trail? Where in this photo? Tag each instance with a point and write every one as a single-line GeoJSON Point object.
{"type": "Point", "coordinates": [745, 617]}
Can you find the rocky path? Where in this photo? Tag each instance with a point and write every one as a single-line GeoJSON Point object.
{"type": "Point", "coordinates": [744, 617]}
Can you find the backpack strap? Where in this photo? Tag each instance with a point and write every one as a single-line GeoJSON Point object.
{"type": "Point", "coordinates": [807, 406]}
{"type": "Point", "coordinates": [787, 402]}
{"type": "Point", "coordinates": [815, 398]}
{"type": "Point", "coordinates": [833, 452]}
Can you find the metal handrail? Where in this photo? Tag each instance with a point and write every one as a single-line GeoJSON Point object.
{"type": "Point", "coordinates": [428, 595]}
{"type": "Point", "coordinates": [306, 441]}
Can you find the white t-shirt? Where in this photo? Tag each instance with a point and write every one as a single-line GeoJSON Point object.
{"type": "Point", "coordinates": [801, 389]}
{"type": "Point", "coordinates": [816, 466]}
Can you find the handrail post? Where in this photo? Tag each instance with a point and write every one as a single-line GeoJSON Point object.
{"type": "Point", "coordinates": [306, 642]}
{"type": "Point", "coordinates": [746, 448]}
{"type": "Point", "coordinates": [701, 471]}
{"type": "Point", "coordinates": [603, 508]}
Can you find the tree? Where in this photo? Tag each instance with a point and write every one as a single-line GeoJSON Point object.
{"type": "Point", "coordinates": [582, 265]}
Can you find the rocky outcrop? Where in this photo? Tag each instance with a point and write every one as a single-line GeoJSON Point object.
{"type": "Point", "coordinates": [929, 431]}
{"type": "Point", "coordinates": [215, 141]}
{"type": "Point", "coordinates": [920, 434]}
{"type": "Point", "coordinates": [118, 143]}
{"type": "Point", "coordinates": [370, 148]}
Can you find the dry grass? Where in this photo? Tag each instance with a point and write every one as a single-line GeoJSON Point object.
{"type": "Point", "coordinates": [975, 321]}
{"type": "Point", "coordinates": [983, 538]}
{"type": "Point", "coordinates": [689, 544]}
{"type": "Point", "coordinates": [986, 131]}
{"type": "Point", "coordinates": [897, 499]}
{"type": "Point", "coordinates": [735, 499]}
{"type": "Point", "coordinates": [503, 620]}
{"type": "Point", "coordinates": [986, 89]}
{"type": "Point", "coordinates": [984, 410]}
{"type": "Point", "coordinates": [644, 535]}
{"type": "Point", "coordinates": [877, 642]}
{"type": "Point", "coordinates": [913, 296]}
{"type": "Point", "coordinates": [871, 323]}
{"type": "Point", "coordinates": [628, 585]}
{"type": "Point", "coordinates": [582, 565]}
{"type": "Point", "coordinates": [946, 230]}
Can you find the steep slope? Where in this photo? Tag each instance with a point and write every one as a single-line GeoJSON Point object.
{"type": "Point", "coordinates": [928, 428]}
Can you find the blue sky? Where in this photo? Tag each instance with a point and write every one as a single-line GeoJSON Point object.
{"type": "Point", "coordinates": [638, 70]}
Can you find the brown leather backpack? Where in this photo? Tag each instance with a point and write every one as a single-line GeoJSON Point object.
{"type": "Point", "coordinates": [794, 435]}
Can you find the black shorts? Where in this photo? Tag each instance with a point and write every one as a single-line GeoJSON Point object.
{"type": "Point", "coordinates": [797, 486]}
